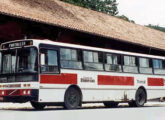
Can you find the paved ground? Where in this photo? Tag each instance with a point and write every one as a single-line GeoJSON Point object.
{"type": "Point", "coordinates": [151, 111]}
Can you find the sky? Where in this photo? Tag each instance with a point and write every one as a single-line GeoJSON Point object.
{"type": "Point", "coordinates": [143, 12]}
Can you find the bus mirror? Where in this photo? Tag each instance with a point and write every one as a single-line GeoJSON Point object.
{"type": "Point", "coordinates": [42, 59]}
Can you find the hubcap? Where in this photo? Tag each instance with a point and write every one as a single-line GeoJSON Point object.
{"type": "Point", "coordinates": [141, 98]}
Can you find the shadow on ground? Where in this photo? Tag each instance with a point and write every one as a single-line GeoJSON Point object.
{"type": "Point", "coordinates": [83, 108]}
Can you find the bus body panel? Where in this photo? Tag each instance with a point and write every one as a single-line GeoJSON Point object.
{"type": "Point", "coordinates": [51, 95]}
{"type": "Point", "coordinates": [93, 92]}
{"type": "Point", "coordinates": [96, 86]}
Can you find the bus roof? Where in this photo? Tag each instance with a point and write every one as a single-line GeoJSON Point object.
{"type": "Point", "coordinates": [37, 42]}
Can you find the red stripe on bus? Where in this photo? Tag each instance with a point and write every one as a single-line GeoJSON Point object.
{"type": "Point", "coordinates": [155, 82]}
{"type": "Point", "coordinates": [115, 80]}
{"type": "Point", "coordinates": [63, 78]}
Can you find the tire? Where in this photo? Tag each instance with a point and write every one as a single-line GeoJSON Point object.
{"type": "Point", "coordinates": [37, 106]}
{"type": "Point", "coordinates": [111, 104]}
{"type": "Point", "coordinates": [72, 98]}
{"type": "Point", "coordinates": [140, 98]}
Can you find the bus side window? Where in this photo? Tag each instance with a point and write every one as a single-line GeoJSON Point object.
{"type": "Point", "coordinates": [49, 61]}
{"type": "Point", "coordinates": [92, 60]}
{"type": "Point", "coordinates": [70, 58]}
{"type": "Point", "coordinates": [130, 64]}
{"type": "Point", "coordinates": [145, 65]}
{"type": "Point", "coordinates": [113, 62]}
{"type": "Point", "coordinates": [159, 66]}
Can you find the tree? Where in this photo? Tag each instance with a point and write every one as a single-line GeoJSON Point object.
{"type": "Point", "coordinates": [157, 27]}
{"type": "Point", "coordinates": [106, 6]}
{"type": "Point", "coordinates": [125, 18]}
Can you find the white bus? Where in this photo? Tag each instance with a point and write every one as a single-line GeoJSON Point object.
{"type": "Point", "coordinates": [53, 73]}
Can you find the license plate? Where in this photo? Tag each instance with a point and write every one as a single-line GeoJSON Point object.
{"type": "Point", "coordinates": [1, 98]}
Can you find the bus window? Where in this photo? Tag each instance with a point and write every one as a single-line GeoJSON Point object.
{"type": "Point", "coordinates": [92, 60]}
{"type": "Point", "coordinates": [159, 66]}
{"type": "Point", "coordinates": [49, 61]}
{"type": "Point", "coordinates": [70, 58]}
{"type": "Point", "coordinates": [113, 62]}
{"type": "Point", "coordinates": [27, 62]}
{"type": "Point", "coordinates": [130, 64]}
{"type": "Point", "coordinates": [9, 61]}
{"type": "Point", "coordinates": [145, 65]}
{"type": "Point", "coordinates": [42, 59]}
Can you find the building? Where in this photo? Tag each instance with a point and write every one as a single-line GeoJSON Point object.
{"type": "Point", "coordinates": [60, 21]}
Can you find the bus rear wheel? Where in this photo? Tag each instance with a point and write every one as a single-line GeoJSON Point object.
{"type": "Point", "coordinates": [111, 104]}
{"type": "Point", "coordinates": [37, 106]}
{"type": "Point", "coordinates": [140, 98]}
{"type": "Point", "coordinates": [72, 98]}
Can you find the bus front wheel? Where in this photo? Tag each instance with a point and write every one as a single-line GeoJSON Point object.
{"type": "Point", "coordinates": [37, 106]}
{"type": "Point", "coordinates": [72, 98]}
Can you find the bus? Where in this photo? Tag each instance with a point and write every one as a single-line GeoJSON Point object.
{"type": "Point", "coordinates": [47, 73]}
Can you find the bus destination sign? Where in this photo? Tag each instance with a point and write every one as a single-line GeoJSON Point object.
{"type": "Point", "coordinates": [16, 44]}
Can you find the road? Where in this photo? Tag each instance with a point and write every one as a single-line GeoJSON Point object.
{"type": "Point", "coordinates": [151, 111]}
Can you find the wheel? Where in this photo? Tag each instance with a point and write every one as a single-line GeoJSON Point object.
{"type": "Point", "coordinates": [37, 106]}
{"type": "Point", "coordinates": [72, 98]}
{"type": "Point", "coordinates": [140, 98]}
{"type": "Point", "coordinates": [111, 104]}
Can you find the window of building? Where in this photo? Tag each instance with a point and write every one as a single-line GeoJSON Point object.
{"type": "Point", "coordinates": [70, 58]}
{"type": "Point", "coordinates": [49, 60]}
{"type": "Point", "coordinates": [130, 64]}
{"type": "Point", "coordinates": [93, 60]}
{"type": "Point", "coordinates": [113, 62]}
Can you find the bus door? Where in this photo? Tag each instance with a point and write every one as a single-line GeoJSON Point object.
{"type": "Point", "coordinates": [49, 60]}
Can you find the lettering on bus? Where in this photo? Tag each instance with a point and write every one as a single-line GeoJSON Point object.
{"type": "Point", "coordinates": [12, 86]}
{"type": "Point", "coordinates": [17, 44]}
{"type": "Point", "coordinates": [88, 79]}
{"type": "Point", "coordinates": [141, 81]}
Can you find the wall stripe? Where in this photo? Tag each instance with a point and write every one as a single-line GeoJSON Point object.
{"type": "Point", "coordinates": [115, 80]}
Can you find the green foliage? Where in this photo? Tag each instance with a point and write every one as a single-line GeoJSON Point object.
{"type": "Point", "coordinates": [105, 6]}
{"type": "Point", "coordinates": [157, 27]}
{"type": "Point", "coordinates": [125, 18]}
